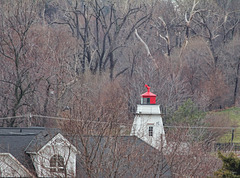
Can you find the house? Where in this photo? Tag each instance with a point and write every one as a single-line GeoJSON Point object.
{"type": "Point", "coordinates": [42, 152]}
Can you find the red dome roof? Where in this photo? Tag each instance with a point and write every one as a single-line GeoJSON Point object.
{"type": "Point", "coordinates": [148, 97]}
{"type": "Point", "coordinates": [148, 94]}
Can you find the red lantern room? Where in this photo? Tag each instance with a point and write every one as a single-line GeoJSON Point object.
{"type": "Point", "coordinates": [148, 97]}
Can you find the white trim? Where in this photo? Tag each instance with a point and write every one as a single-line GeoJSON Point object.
{"type": "Point", "coordinates": [54, 138]}
{"type": "Point", "coordinates": [50, 141]}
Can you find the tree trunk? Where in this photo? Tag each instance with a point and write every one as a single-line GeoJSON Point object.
{"type": "Point", "coordinates": [236, 84]}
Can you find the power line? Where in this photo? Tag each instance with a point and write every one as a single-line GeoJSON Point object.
{"type": "Point", "coordinates": [101, 122]}
{"type": "Point", "coordinates": [67, 119]}
{"type": "Point", "coordinates": [12, 117]}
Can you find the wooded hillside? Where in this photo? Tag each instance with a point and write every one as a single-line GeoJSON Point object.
{"type": "Point", "coordinates": [61, 57]}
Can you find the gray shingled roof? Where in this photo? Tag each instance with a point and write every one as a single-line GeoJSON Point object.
{"type": "Point", "coordinates": [41, 139]}
{"type": "Point", "coordinates": [135, 157]}
{"type": "Point", "coordinates": [15, 141]}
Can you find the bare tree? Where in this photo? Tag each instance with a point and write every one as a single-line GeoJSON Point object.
{"type": "Point", "coordinates": [103, 151]}
{"type": "Point", "coordinates": [101, 29]}
{"type": "Point", "coordinates": [17, 19]}
{"type": "Point", "coordinates": [188, 158]}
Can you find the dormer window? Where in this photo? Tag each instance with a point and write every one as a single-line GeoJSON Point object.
{"type": "Point", "coordinates": [57, 164]}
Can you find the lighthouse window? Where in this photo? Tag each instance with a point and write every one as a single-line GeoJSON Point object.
{"type": "Point", "coordinates": [150, 131]}
{"type": "Point", "coordinates": [145, 100]}
{"type": "Point", "coordinates": [148, 100]}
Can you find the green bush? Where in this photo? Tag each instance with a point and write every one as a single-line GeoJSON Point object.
{"type": "Point", "coordinates": [231, 166]}
{"type": "Point", "coordinates": [188, 114]}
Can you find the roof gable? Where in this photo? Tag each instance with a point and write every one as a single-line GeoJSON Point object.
{"type": "Point", "coordinates": [48, 138]}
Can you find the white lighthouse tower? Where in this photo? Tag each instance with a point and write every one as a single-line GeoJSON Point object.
{"type": "Point", "coordinates": [148, 124]}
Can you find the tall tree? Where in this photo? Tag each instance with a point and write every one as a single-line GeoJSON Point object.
{"type": "Point", "coordinates": [17, 18]}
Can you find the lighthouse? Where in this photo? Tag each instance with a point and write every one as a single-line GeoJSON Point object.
{"type": "Point", "coordinates": [148, 124]}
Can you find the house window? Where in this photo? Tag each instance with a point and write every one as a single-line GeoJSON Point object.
{"type": "Point", "coordinates": [57, 164]}
{"type": "Point", "coordinates": [150, 131]}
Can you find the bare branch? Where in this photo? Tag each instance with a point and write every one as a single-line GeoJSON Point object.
{"type": "Point", "coordinates": [146, 46]}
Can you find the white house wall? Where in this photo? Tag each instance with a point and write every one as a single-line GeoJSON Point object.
{"type": "Point", "coordinates": [11, 167]}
